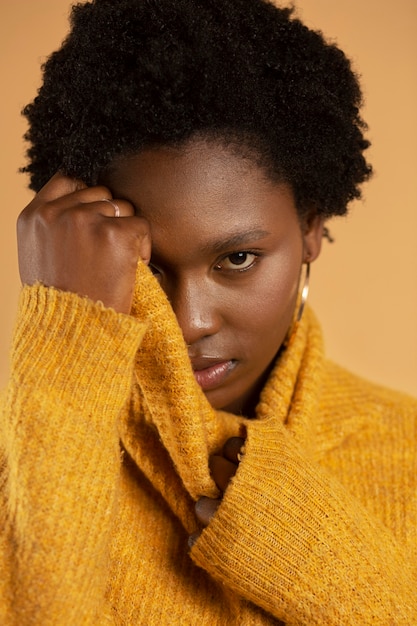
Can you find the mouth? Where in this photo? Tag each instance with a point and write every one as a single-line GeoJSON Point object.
{"type": "Point", "coordinates": [211, 372]}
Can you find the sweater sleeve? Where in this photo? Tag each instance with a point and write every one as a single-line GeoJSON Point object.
{"type": "Point", "coordinates": [71, 375]}
{"type": "Point", "coordinates": [291, 539]}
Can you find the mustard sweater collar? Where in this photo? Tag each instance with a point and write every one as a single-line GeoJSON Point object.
{"type": "Point", "coordinates": [169, 429]}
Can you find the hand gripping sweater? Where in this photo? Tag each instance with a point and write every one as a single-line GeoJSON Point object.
{"type": "Point", "coordinates": [105, 439]}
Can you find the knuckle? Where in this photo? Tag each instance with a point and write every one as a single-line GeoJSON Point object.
{"type": "Point", "coordinates": [35, 217]}
{"type": "Point", "coordinates": [22, 218]}
{"type": "Point", "coordinates": [92, 194]}
{"type": "Point", "coordinates": [45, 214]}
{"type": "Point", "coordinates": [26, 213]}
{"type": "Point", "coordinates": [78, 216]}
{"type": "Point", "coordinates": [100, 191]}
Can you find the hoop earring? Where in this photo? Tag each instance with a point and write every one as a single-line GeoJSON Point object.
{"type": "Point", "coordinates": [304, 295]}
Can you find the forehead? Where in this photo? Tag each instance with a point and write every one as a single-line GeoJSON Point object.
{"type": "Point", "coordinates": [200, 179]}
{"type": "Point", "coordinates": [203, 200]}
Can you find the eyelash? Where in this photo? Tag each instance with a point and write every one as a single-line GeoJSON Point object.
{"type": "Point", "coordinates": [238, 267]}
{"type": "Point", "coordinates": [219, 265]}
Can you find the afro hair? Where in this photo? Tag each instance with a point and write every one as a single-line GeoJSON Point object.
{"type": "Point", "coordinates": [137, 73]}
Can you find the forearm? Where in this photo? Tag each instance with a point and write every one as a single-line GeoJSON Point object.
{"type": "Point", "coordinates": [71, 376]}
{"type": "Point", "coordinates": [290, 539]}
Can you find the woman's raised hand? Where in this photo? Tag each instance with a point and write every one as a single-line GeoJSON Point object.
{"type": "Point", "coordinates": [222, 468]}
{"type": "Point", "coordinates": [70, 238]}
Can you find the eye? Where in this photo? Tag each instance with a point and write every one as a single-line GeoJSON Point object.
{"type": "Point", "coordinates": [239, 261]}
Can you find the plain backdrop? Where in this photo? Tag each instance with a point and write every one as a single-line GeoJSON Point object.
{"type": "Point", "coordinates": [364, 286]}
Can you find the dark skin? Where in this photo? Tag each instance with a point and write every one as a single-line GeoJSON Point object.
{"type": "Point", "coordinates": [69, 238]}
{"type": "Point", "coordinates": [222, 467]}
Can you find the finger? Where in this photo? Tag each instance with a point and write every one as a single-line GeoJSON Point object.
{"type": "Point", "coordinates": [114, 205]}
{"type": "Point", "coordinates": [110, 207]}
{"type": "Point", "coordinates": [205, 508]}
{"type": "Point", "coordinates": [141, 229]}
{"type": "Point", "coordinates": [222, 471]}
{"type": "Point", "coordinates": [59, 185]}
{"type": "Point", "coordinates": [192, 539]}
{"type": "Point", "coordinates": [233, 449]}
{"type": "Point", "coordinates": [66, 192]}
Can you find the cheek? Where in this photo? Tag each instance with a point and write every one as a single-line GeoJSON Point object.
{"type": "Point", "coordinates": [269, 307]}
{"type": "Point", "coordinates": [277, 309]}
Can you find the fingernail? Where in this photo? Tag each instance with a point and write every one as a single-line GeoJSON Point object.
{"type": "Point", "coordinates": [192, 539]}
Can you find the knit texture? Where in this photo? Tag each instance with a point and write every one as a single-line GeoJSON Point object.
{"type": "Point", "coordinates": [105, 440]}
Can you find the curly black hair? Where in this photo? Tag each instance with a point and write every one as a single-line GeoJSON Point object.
{"type": "Point", "coordinates": [139, 73]}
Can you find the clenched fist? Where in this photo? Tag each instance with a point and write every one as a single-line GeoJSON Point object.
{"type": "Point", "coordinates": [69, 238]}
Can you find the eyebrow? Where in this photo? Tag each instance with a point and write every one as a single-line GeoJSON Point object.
{"type": "Point", "coordinates": [235, 239]}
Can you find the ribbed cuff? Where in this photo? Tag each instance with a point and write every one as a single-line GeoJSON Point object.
{"type": "Point", "coordinates": [68, 344]}
{"type": "Point", "coordinates": [292, 540]}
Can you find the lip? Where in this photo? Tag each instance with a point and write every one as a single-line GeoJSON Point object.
{"type": "Point", "coordinates": [211, 372]}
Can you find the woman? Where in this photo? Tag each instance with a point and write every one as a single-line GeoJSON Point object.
{"type": "Point", "coordinates": [176, 447]}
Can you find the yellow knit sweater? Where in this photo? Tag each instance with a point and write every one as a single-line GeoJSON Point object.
{"type": "Point", "coordinates": [105, 438]}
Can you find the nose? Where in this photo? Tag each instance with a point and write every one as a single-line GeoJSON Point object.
{"type": "Point", "coordinates": [196, 308]}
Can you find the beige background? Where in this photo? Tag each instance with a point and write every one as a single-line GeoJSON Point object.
{"type": "Point", "coordinates": [364, 286]}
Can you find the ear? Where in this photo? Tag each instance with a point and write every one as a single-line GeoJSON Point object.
{"type": "Point", "coordinates": [313, 227]}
